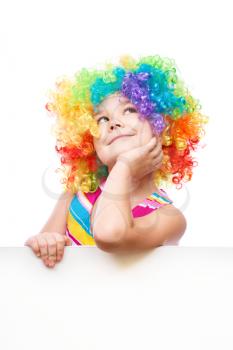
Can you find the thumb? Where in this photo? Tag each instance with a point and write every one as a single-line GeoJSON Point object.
{"type": "Point", "coordinates": [68, 241]}
{"type": "Point", "coordinates": [27, 242]}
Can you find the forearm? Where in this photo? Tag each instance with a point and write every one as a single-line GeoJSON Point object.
{"type": "Point", "coordinates": [58, 217]}
{"type": "Point", "coordinates": [113, 214]}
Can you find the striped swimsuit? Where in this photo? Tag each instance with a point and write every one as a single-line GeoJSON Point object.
{"type": "Point", "coordinates": [79, 213]}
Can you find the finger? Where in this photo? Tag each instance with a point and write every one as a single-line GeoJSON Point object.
{"type": "Point", "coordinates": [43, 247]}
{"type": "Point", "coordinates": [28, 242]}
{"type": "Point", "coordinates": [157, 152]}
{"type": "Point", "coordinates": [47, 262]}
{"type": "Point", "coordinates": [157, 144]}
{"type": "Point", "coordinates": [147, 148]}
{"type": "Point", "coordinates": [151, 144]}
{"type": "Point", "coordinates": [60, 246]}
{"type": "Point", "coordinates": [157, 161]}
{"type": "Point", "coordinates": [35, 247]}
{"type": "Point", "coordinates": [52, 248]}
{"type": "Point", "coordinates": [158, 157]}
{"type": "Point", "coordinates": [68, 241]}
{"type": "Point", "coordinates": [32, 243]}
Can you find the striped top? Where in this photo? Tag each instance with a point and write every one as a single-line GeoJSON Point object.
{"type": "Point", "coordinates": [78, 219]}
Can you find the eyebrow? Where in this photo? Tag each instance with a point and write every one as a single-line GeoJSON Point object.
{"type": "Point", "coordinates": [122, 103]}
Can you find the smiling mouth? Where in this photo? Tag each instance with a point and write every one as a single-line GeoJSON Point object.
{"type": "Point", "coordinates": [118, 137]}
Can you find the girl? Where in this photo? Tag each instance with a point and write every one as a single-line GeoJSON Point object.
{"type": "Point", "coordinates": [122, 132]}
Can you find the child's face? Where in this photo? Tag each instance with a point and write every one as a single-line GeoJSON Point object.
{"type": "Point", "coordinates": [116, 115]}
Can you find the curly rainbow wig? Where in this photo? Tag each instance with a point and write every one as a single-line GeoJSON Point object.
{"type": "Point", "coordinates": [152, 84]}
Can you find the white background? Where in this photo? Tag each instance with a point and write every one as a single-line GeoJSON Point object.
{"type": "Point", "coordinates": [41, 41]}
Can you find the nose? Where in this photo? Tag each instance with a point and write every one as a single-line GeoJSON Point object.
{"type": "Point", "coordinates": [115, 122]}
{"type": "Point", "coordinates": [114, 125]}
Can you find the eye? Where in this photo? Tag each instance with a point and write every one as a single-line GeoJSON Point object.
{"type": "Point", "coordinates": [101, 118]}
{"type": "Point", "coordinates": [132, 109]}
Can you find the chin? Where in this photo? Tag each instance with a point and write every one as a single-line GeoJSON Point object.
{"type": "Point", "coordinates": [116, 151]}
{"type": "Point", "coordinates": [111, 160]}
{"type": "Point", "coordinates": [123, 144]}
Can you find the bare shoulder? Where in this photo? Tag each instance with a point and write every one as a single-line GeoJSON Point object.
{"type": "Point", "coordinates": [168, 208]}
{"type": "Point", "coordinates": [168, 214]}
{"type": "Point", "coordinates": [173, 216]}
{"type": "Point", "coordinates": [67, 196]}
{"type": "Point", "coordinates": [166, 224]}
{"type": "Point", "coordinates": [173, 222]}
{"type": "Point", "coordinates": [64, 201]}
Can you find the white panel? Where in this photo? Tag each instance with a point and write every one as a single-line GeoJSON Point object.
{"type": "Point", "coordinates": [168, 298]}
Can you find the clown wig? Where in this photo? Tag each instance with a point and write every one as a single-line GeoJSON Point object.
{"type": "Point", "coordinates": [152, 84]}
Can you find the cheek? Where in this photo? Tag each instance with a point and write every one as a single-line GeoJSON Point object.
{"type": "Point", "coordinates": [100, 151]}
{"type": "Point", "coordinates": [102, 138]}
{"type": "Point", "coordinates": [145, 133]}
{"type": "Point", "coordinates": [97, 146]}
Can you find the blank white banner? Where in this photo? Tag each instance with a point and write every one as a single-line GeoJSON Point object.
{"type": "Point", "coordinates": [168, 298]}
